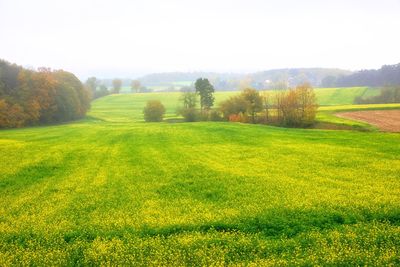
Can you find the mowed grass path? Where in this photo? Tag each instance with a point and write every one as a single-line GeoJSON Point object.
{"type": "Point", "coordinates": [112, 189]}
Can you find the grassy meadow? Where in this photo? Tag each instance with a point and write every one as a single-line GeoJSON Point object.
{"type": "Point", "coordinates": [129, 107]}
{"type": "Point", "coordinates": [113, 190]}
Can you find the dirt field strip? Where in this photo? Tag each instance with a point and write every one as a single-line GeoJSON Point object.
{"type": "Point", "coordinates": [385, 120]}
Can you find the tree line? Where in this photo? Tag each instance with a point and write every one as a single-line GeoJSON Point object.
{"type": "Point", "coordinates": [387, 75]}
{"type": "Point", "coordinates": [99, 88]}
{"type": "Point", "coordinates": [270, 79]}
{"type": "Point", "coordinates": [295, 107]}
{"type": "Point", "coordinates": [32, 97]}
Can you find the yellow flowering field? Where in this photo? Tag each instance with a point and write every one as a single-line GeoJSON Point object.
{"type": "Point", "coordinates": [113, 190]}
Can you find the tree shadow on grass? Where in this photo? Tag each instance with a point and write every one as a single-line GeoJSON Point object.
{"type": "Point", "coordinates": [275, 225]}
{"type": "Point", "coordinates": [27, 176]}
{"type": "Point", "coordinates": [278, 224]}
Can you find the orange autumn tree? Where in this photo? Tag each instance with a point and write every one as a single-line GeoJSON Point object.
{"type": "Point", "coordinates": [297, 107]}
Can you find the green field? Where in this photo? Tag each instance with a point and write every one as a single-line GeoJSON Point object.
{"type": "Point", "coordinates": [325, 96]}
{"type": "Point", "coordinates": [128, 107]}
{"type": "Point", "coordinates": [343, 96]}
{"type": "Point", "coordinates": [111, 189]}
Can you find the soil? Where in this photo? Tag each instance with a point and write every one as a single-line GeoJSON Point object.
{"type": "Point", "coordinates": [385, 120]}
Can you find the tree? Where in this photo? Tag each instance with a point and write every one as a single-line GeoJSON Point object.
{"type": "Point", "coordinates": [234, 105]}
{"type": "Point", "coordinates": [3, 113]}
{"type": "Point", "coordinates": [287, 108]}
{"type": "Point", "coordinates": [72, 98]}
{"type": "Point", "coordinates": [117, 84]}
{"type": "Point", "coordinates": [266, 103]}
{"type": "Point", "coordinates": [205, 89]}
{"type": "Point", "coordinates": [42, 86]}
{"type": "Point", "coordinates": [11, 116]}
{"type": "Point", "coordinates": [135, 86]}
{"type": "Point", "coordinates": [254, 102]}
{"type": "Point", "coordinates": [91, 85]}
{"type": "Point", "coordinates": [8, 78]}
{"type": "Point", "coordinates": [29, 97]}
{"type": "Point", "coordinates": [154, 111]}
{"type": "Point", "coordinates": [189, 100]}
{"type": "Point", "coordinates": [248, 103]}
{"type": "Point", "coordinates": [103, 91]}
{"type": "Point", "coordinates": [297, 107]}
{"type": "Point", "coordinates": [307, 104]}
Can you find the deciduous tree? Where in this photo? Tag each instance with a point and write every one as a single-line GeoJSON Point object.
{"type": "Point", "coordinates": [135, 86]}
{"type": "Point", "coordinates": [189, 101]}
{"type": "Point", "coordinates": [253, 102]}
{"type": "Point", "coordinates": [234, 105]}
{"type": "Point", "coordinates": [30, 97]}
{"type": "Point", "coordinates": [91, 84]}
{"type": "Point", "coordinates": [297, 107]}
{"type": "Point", "coordinates": [117, 84]}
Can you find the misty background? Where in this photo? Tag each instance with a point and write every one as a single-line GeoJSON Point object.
{"type": "Point", "coordinates": [128, 39]}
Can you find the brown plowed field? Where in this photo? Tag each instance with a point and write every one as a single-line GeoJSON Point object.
{"type": "Point", "coordinates": [386, 120]}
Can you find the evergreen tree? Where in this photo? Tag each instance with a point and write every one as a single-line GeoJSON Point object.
{"type": "Point", "coordinates": [206, 91]}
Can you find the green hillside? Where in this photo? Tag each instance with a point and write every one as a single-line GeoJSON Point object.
{"type": "Point", "coordinates": [112, 189]}
{"type": "Point", "coordinates": [343, 96]}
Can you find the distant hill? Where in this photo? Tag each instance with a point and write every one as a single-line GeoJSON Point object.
{"type": "Point", "coordinates": [277, 78]}
{"type": "Point", "coordinates": [292, 77]}
{"type": "Point", "coordinates": [222, 81]}
{"type": "Point", "coordinates": [386, 75]}
{"type": "Point", "coordinates": [271, 79]}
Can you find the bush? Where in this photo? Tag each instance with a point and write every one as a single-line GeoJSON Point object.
{"type": "Point", "coordinates": [215, 115]}
{"type": "Point", "coordinates": [248, 103]}
{"type": "Point", "coordinates": [241, 117]}
{"type": "Point", "coordinates": [203, 116]}
{"type": "Point", "coordinates": [189, 114]}
{"type": "Point", "coordinates": [233, 106]}
{"type": "Point", "coordinates": [154, 111]}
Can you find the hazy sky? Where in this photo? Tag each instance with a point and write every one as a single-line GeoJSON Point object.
{"type": "Point", "coordinates": [130, 38]}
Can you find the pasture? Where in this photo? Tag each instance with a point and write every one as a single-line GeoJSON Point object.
{"type": "Point", "coordinates": [111, 189]}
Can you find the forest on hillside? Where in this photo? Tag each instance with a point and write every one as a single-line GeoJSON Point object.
{"type": "Point", "coordinates": [269, 79]}
{"type": "Point", "coordinates": [30, 97]}
{"type": "Point", "coordinates": [387, 75]}
{"type": "Point", "coordinates": [276, 79]}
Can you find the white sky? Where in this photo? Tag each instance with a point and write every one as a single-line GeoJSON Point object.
{"type": "Point", "coordinates": [128, 38]}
